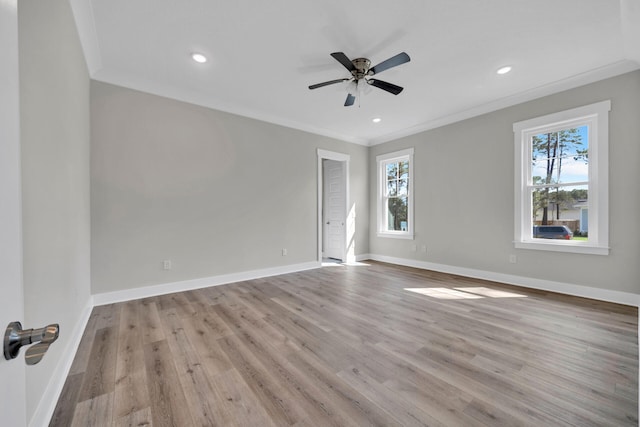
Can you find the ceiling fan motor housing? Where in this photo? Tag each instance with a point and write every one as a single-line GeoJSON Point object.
{"type": "Point", "coordinates": [362, 68]}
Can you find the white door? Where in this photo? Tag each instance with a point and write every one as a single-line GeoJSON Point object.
{"type": "Point", "coordinates": [334, 209]}
{"type": "Point", "coordinates": [12, 373]}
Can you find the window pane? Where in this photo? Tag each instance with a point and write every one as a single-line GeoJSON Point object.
{"type": "Point", "coordinates": [403, 187]}
{"type": "Point", "coordinates": [560, 157]}
{"type": "Point", "coordinates": [573, 169]}
{"type": "Point", "coordinates": [397, 214]}
{"type": "Point", "coordinates": [560, 212]}
{"type": "Point", "coordinates": [392, 170]}
{"type": "Point", "coordinates": [392, 188]}
{"type": "Point", "coordinates": [404, 170]}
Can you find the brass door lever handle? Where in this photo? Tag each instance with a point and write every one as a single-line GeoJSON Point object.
{"type": "Point", "coordinates": [15, 337]}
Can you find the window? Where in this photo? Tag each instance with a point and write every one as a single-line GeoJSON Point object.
{"type": "Point", "coordinates": [395, 194]}
{"type": "Point", "coordinates": [561, 171]}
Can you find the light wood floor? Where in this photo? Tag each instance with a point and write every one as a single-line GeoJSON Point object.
{"type": "Point", "coordinates": [351, 346]}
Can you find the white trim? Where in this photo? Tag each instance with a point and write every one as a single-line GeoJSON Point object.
{"type": "Point", "coordinates": [395, 234]}
{"type": "Point", "coordinates": [559, 118]}
{"type": "Point", "coordinates": [348, 219]}
{"type": "Point", "coordinates": [395, 155]}
{"type": "Point", "coordinates": [618, 297]}
{"type": "Point", "coordinates": [49, 400]}
{"type": "Point", "coordinates": [363, 257]}
{"type": "Point", "coordinates": [562, 246]}
{"type": "Point", "coordinates": [381, 177]}
{"type": "Point", "coordinates": [630, 26]}
{"type": "Point", "coordinates": [592, 76]}
{"type": "Point", "coordinates": [596, 117]}
{"type": "Point", "coordinates": [333, 155]}
{"type": "Point", "coordinates": [187, 285]}
{"type": "Point", "coordinates": [86, 26]}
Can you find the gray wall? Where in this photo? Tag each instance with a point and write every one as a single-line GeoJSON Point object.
{"type": "Point", "coordinates": [54, 112]}
{"type": "Point", "coordinates": [213, 192]}
{"type": "Point", "coordinates": [464, 185]}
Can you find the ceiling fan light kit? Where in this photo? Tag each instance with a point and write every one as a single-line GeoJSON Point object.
{"type": "Point", "coordinates": [361, 71]}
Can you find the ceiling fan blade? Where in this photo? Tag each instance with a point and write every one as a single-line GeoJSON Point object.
{"type": "Point", "coordinates": [389, 87]}
{"type": "Point", "coordinates": [330, 82]}
{"type": "Point", "coordinates": [344, 60]}
{"type": "Point", "coordinates": [350, 100]}
{"type": "Point", "coordinates": [394, 61]}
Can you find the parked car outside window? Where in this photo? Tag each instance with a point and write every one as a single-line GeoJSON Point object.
{"type": "Point", "coordinates": [552, 232]}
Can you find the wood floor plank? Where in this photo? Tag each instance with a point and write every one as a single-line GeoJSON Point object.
{"type": "Point", "coordinates": [81, 358]}
{"type": "Point", "coordinates": [352, 402]}
{"type": "Point", "coordinates": [403, 411]}
{"type": "Point", "coordinates": [131, 394]}
{"type": "Point", "coordinates": [274, 397]}
{"type": "Point", "coordinates": [150, 321]}
{"type": "Point", "coordinates": [177, 302]}
{"type": "Point", "coordinates": [447, 409]}
{"type": "Point", "coordinates": [168, 403]}
{"type": "Point", "coordinates": [373, 344]}
{"type": "Point", "coordinates": [97, 411]}
{"type": "Point", "coordinates": [204, 340]}
{"type": "Point", "coordinates": [140, 418]}
{"type": "Point", "coordinates": [63, 413]}
{"type": "Point", "coordinates": [191, 372]}
{"type": "Point", "coordinates": [272, 355]}
{"type": "Point", "coordinates": [239, 405]}
{"type": "Point", "coordinates": [100, 374]}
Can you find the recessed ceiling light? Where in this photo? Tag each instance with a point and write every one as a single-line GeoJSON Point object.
{"type": "Point", "coordinates": [198, 57]}
{"type": "Point", "coordinates": [504, 70]}
{"type": "Point", "coordinates": [377, 120]}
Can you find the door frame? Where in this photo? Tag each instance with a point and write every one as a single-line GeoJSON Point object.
{"type": "Point", "coordinates": [344, 158]}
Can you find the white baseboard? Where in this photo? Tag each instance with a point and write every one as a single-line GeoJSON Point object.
{"type": "Point", "coordinates": [187, 285]}
{"type": "Point", "coordinates": [608, 295]}
{"type": "Point", "coordinates": [46, 406]}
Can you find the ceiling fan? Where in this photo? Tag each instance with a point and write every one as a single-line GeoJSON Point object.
{"type": "Point", "coordinates": [361, 70]}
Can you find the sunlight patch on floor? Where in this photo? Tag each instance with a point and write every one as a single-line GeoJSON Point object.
{"type": "Point", "coordinates": [464, 293]}
{"type": "Point", "coordinates": [493, 293]}
{"type": "Point", "coordinates": [331, 264]}
{"type": "Point", "coordinates": [336, 263]}
{"type": "Point", "coordinates": [443, 293]}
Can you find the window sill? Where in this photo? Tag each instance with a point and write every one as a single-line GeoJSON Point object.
{"type": "Point", "coordinates": [392, 235]}
{"type": "Point", "coordinates": [562, 246]}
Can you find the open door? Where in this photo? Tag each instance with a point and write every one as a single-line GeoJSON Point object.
{"type": "Point", "coordinates": [12, 373]}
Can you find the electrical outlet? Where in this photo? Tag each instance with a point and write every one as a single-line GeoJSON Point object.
{"type": "Point", "coordinates": [284, 252]}
{"type": "Point", "coordinates": [166, 264]}
{"type": "Point", "coordinates": [424, 248]}
{"type": "Point", "coordinates": [513, 259]}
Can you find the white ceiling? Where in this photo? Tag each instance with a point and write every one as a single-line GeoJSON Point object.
{"type": "Point", "coordinates": [264, 54]}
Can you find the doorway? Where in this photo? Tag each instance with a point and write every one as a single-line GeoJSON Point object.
{"type": "Point", "coordinates": [333, 199]}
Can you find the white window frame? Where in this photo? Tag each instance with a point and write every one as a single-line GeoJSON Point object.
{"type": "Point", "coordinates": [596, 116]}
{"type": "Point", "coordinates": [382, 160]}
